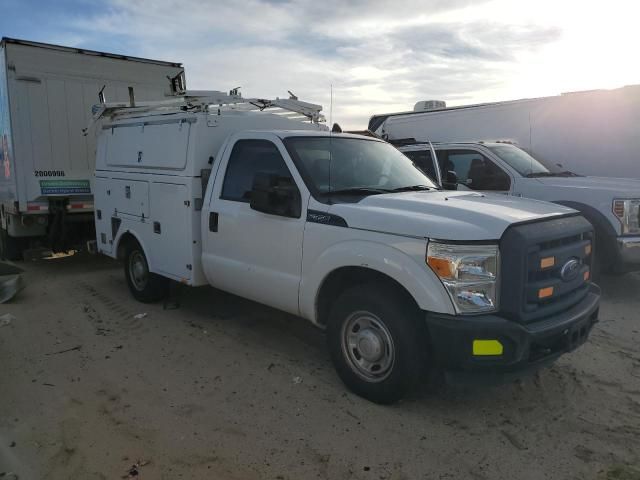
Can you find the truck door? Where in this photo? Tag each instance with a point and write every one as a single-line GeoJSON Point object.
{"type": "Point", "coordinates": [475, 171]}
{"type": "Point", "coordinates": [253, 254]}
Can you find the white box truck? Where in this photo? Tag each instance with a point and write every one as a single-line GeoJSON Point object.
{"type": "Point", "coordinates": [47, 164]}
{"type": "Point", "coordinates": [593, 132]}
{"type": "Point", "coordinates": [346, 232]}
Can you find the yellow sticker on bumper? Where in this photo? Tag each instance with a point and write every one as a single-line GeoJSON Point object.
{"type": "Point", "coordinates": [487, 347]}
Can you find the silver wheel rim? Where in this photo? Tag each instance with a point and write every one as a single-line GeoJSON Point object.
{"type": "Point", "coordinates": [138, 270]}
{"type": "Point", "coordinates": [367, 346]}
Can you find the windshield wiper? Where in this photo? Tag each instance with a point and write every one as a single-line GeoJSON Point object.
{"type": "Point", "coordinates": [413, 188]}
{"type": "Point", "coordinates": [358, 191]}
{"type": "Point", "coordinates": [540, 174]}
{"type": "Point", "coordinates": [565, 173]}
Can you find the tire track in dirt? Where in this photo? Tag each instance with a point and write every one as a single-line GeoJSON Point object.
{"type": "Point", "coordinates": [109, 316]}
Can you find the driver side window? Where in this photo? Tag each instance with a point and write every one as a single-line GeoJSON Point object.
{"type": "Point", "coordinates": [247, 158]}
{"type": "Point", "coordinates": [476, 171]}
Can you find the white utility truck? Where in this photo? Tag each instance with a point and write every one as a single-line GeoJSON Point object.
{"type": "Point", "coordinates": [612, 205]}
{"type": "Point", "coordinates": [46, 94]}
{"type": "Point", "coordinates": [343, 231]}
{"type": "Point", "coordinates": [594, 132]}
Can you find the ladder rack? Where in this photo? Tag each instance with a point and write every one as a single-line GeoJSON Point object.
{"type": "Point", "coordinates": [206, 101]}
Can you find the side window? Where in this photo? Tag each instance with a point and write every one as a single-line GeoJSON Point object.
{"type": "Point", "coordinates": [247, 158]}
{"type": "Point", "coordinates": [422, 159]}
{"type": "Point", "coordinates": [476, 171]}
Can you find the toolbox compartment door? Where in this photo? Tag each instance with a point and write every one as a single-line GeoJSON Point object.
{"type": "Point", "coordinates": [104, 233]}
{"type": "Point", "coordinates": [130, 197]}
{"type": "Point", "coordinates": [123, 146]}
{"type": "Point", "coordinates": [165, 145]}
{"type": "Point", "coordinates": [172, 248]}
{"type": "Point", "coordinates": [149, 146]}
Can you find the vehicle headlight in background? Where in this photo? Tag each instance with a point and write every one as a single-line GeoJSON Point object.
{"type": "Point", "coordinates": [628, 212]}
{"type": "Point", "coordinates": [468, 272]}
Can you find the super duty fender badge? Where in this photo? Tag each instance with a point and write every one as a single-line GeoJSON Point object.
{"type": "Point", "coordinates": [315, 216]}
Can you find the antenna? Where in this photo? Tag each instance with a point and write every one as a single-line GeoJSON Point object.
{"type": "Point", "coordinates": [331, 131]}
{"type": "Point", "coordinates": [331, 104]}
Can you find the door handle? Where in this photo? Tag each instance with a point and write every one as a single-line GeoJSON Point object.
{"type": "Point", "coordinates": [213, 221]}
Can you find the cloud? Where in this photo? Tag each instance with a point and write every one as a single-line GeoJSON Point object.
{"type": "Point", "coordinates": [476, 41]}
{"type": "Point", "coordinates": [379, 56]}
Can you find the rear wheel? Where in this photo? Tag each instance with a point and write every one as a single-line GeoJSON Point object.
{"type": "Point", "coordinates": [10, 248]}
{"type": "Point", "coordinates": [145, 286]}
{"type": "Point", "coordinates": [377, 344]}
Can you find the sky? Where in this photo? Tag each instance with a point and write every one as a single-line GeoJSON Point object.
{"type": "Point", "coordinates": [376, 56]}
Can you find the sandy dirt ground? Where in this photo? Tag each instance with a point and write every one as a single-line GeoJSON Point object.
{"type": "Point", "coordinates": [223, 388]}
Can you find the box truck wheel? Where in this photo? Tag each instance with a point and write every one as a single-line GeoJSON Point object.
{"type": "Point", "coordinates": [145, 286]}
{"type": "Point", "coordinates": [376, 343]}
{"type": "Point", "coordinates": [11, 248]}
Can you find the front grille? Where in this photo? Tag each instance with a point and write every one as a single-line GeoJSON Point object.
{"type": "Point", "coordinates": [533, 257]}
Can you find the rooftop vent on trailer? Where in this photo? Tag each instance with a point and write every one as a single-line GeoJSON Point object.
{"type": "Point", "coordinates": [426, 105]}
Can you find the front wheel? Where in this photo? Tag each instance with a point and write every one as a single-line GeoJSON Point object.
{"type": "Point", "coordinates": [376, 343]}
{"type": "Point", "coordinates": [145, 286]}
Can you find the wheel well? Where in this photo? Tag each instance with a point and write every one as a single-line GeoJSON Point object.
{"type": "Point", "coordinates": [343, 278]}
{"type": "Point", "coordinates": [605, 233]}
{"type": "Point", "coordinates": [127, 240]}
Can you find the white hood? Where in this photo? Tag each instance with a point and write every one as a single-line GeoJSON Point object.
{"type": "Point", "coordinates": [444, 215]}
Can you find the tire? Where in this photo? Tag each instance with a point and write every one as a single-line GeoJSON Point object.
{"type": "Point", "coordinates": [377, 345]}
{"type": "Point", "coordinates": [145, 286]}
{"type": "Point", "coordinates": [10, 248]}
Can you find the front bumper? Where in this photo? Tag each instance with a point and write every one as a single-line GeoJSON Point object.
{"type": "Point", "coordinates": [629, 251]}
{"type": "Point", "coordinates": [526, 347]}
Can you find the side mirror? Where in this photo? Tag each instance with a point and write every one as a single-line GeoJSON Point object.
{"type": "Point", "coordinates": [275, 195]}
{"type": "Point", "coordinates": [450, 181]}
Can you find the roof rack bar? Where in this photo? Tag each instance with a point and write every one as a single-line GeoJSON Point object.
{"type": "Point", "coordinates": [203, 101]}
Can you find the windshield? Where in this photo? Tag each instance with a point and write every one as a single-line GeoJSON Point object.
{"type": "Point", "coordinates": [341, 164]}
{"type": "Point", "coordinates": [525, 164]}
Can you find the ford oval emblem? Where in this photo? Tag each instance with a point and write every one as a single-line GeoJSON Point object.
{"type": "Point", "coordinates": [570, 270]}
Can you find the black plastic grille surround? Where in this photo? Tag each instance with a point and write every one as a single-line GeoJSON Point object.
{"type": "Point", "coordinates": [522, 248]}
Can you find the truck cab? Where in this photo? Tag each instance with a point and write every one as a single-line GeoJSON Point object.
{"type": "Point", "coordinates": [612, 205]}
{"type": "Point", "coordinates": [345, 232]}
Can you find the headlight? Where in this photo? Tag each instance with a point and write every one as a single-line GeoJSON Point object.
{"type": "Point", "coordinates": [468, 272]}
{"type": "Point", "coordinates": [628, 212]}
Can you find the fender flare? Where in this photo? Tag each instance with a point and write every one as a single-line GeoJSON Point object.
{"type": "Point", "coordinates": [419, 280]}
{"type": "Point", "coordinates": [118, 240]}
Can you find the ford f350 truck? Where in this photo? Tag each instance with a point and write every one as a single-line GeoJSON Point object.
{"type": "Point", "coordinates": [46, 94]}
{"type": "Point", "coordinates": [346, 232]}
{"type": "Point", "coordinates": [612, 205]}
